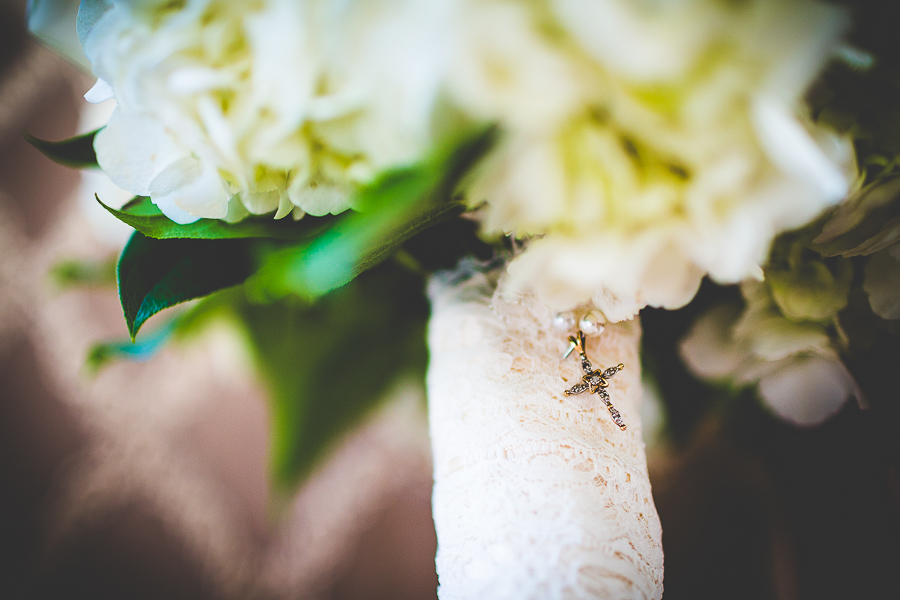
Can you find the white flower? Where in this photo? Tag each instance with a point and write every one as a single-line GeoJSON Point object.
{"type": "Point", "coordinates": [648, 143]}
{"type": "Point", "coordinates": [105, 228]}
{"type": "Point", "coordinates": [809, 391]}
{"type": "Point", "coordinates": [882, 282]}
{"type": "Point", "coordinates": [800, 376]}
{"type": "Point", "coordinates": [226, 107]}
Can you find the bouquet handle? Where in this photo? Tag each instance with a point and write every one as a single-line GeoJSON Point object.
{"type": "Point", "coordinates": [537, 494]}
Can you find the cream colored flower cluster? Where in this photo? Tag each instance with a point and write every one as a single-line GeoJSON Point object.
{"type": "Point", "coordinates": [646, 142]}
{"type": "Point", "coordinates": [650, 142]}
{"type": "Point", "coordinates": [230, 106]}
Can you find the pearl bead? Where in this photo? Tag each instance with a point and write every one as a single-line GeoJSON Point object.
{"type": "Point", "coordinates": [564, 321]}
{"type": "Point", "coordinates": [593, 323]}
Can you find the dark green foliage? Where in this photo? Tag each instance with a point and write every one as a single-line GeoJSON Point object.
{"type": "Point", "coordinates": [332, 324]}
{"type": "Point", "coordinates": [76, 152]}
{"type": "Point", "coordinates": [329, 363]}
{"type": "Point", "coordinates": [157, 274]}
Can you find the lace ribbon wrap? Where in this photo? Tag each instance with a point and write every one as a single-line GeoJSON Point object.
{"type": "Point", "coordinates": [536, 495]}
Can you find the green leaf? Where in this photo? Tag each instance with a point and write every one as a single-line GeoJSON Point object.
{"type": "Point", "coordinates": [156, 274]}
{"type": "Point", "coordinates": [328, 364]}
{"type": "Point", "coordinates": [166, 263]}
{"type": "Point", "coordinates": [394, 208]}
{"type": "Point", "coordinates": [76, 152]}
{"type": "Point", "coordinates": [183, 325]}
{"type": "Point", "coordinates": [350, 248]}
{"type": "Point", "coordinates": [139, 206]}
{"type": "Point", "coordinates": [145, 217]}
{"type": "Point", "coordinates": [104, 352]}
{"type": "Point", "coordinates": [80, 273]}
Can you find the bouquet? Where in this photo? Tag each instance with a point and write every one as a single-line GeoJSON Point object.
{"type": "Point", "coordinates": [520, 180]}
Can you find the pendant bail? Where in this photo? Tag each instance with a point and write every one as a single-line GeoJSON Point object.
{"type": "Point", "coordinates": [575, 342]}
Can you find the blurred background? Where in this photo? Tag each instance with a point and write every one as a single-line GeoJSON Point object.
{"type": "Point", "coordinates": [149, 479]}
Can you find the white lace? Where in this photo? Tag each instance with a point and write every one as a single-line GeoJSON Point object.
{"type": "Point", "coordinates": [537, 495]}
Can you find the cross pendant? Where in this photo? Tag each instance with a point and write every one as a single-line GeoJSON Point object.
{"type": "Point", "coordinates": [595, 381]}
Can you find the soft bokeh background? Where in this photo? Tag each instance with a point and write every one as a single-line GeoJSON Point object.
{"type": "Point", "coordinates": [149, 479]}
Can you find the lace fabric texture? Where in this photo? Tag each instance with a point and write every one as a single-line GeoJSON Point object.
{"type": "Point", "coordinates": [536, 495]}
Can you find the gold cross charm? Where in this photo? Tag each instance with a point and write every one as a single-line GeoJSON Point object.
{"type": "Point", "coordinates": [595, 381]}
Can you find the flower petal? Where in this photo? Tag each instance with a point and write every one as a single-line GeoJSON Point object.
{"type": "Point", "coordinates": [190, 189]}
{"type": "Point", "coordinates": [708, 348]}
{"type": "Point", "coordinates": [319, 200]}
{"type": "Point", "coordinates": [671, 280]}
{"type": "Point", "coordinates": [133, 149]}
{"type": "Point", "coordinates": [808, 391]}
{"type": "Point", "coordinates": [616, 308]}
{"type": "Point", "coordinates": [100, 92]}
{"type": "Point", "coordinates": [882, 283]}
{"type": "Point", "coordinates": [792, 148]}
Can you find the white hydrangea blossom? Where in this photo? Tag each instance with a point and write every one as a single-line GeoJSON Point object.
{"type": "Point", "coordinates": [226, 107]}
{"type": "Point", "coordinates": [800, 376]}
{"type": "Point", "coordinates": [648, 143]}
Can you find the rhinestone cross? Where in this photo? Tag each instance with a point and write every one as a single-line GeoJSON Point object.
{"type": "Point", "coordinates": [595, 381]}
